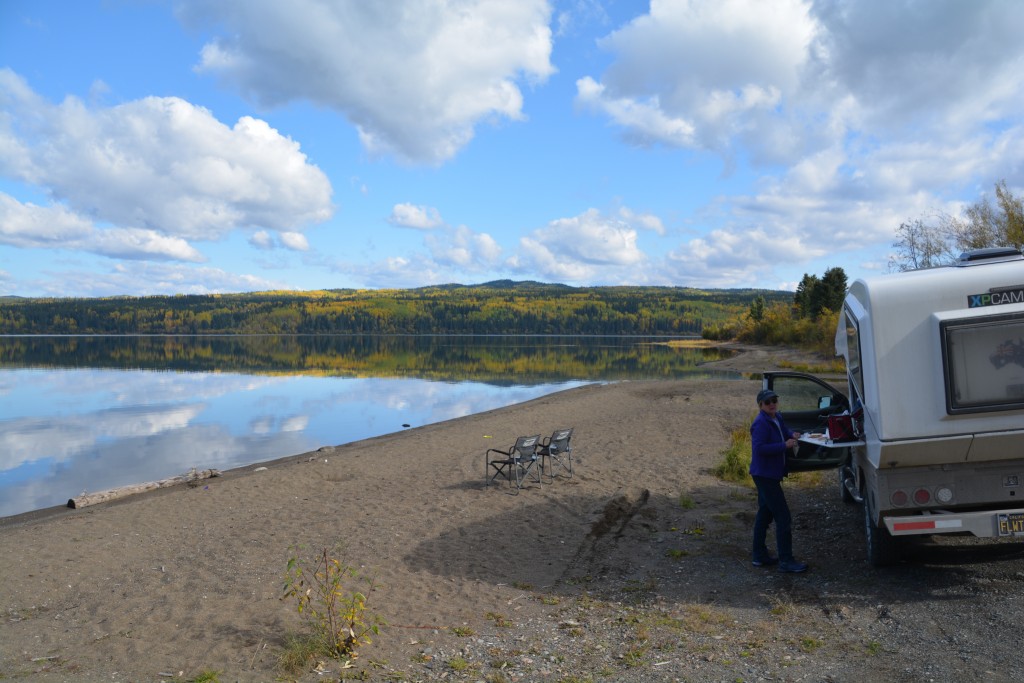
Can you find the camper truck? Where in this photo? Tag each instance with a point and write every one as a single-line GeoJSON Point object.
{"type": "Point", "coordinates": [935, 394]}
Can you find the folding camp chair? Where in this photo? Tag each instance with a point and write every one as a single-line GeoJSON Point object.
{"type": "Point", "coordinates": [514, 464]}
{"type": "Point", "coordinates": [557, 451]}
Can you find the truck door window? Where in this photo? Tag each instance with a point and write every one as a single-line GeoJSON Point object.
{"type": "Point", "coordinates": [798, 394]}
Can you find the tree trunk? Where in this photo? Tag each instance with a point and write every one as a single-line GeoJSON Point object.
{"type": "Point", "coordinates": [122, 491]}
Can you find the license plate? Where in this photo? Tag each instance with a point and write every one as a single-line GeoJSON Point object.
{"type": "Point", "coordinates": [1011, 524]}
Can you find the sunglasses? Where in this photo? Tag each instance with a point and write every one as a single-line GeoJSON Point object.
{"type": "Point", "coordinates": [771, 400]}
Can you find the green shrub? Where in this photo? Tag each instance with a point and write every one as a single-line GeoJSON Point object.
{"type": "Point", "coordinates": [735, 464]}
{"type": "Point", "coordinates": [326, 595]}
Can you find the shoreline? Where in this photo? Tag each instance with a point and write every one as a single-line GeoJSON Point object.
{"type": "Point", "coordinates": [746, 357]}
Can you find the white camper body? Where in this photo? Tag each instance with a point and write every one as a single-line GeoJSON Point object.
{"type": "Point", "coordinates": [935, 358]}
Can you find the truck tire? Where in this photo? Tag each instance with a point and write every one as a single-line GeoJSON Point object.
{"type": "Point", "coordinates": [883, 549]}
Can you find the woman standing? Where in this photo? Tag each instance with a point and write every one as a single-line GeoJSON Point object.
{"type": "Point", "coordinates": [770, 439]}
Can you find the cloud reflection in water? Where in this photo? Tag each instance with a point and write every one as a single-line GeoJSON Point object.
{"type": "Point", "coordinates": [66, 431]}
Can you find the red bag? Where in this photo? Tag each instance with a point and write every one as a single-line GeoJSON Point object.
{"type": "Point", "coordinates": [840, 428]}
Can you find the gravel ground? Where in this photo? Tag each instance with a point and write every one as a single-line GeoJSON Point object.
{"type": "Point", "coordinates": [668, 594]}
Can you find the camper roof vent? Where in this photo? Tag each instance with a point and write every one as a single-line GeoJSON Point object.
{"type": "Point", "coordinates": [989, 255]}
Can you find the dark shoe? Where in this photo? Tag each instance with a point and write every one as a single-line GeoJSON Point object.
{"type": "Point", "coordinates": [792, 567]}
{"type": "Point", "coordinates": [766, 561]}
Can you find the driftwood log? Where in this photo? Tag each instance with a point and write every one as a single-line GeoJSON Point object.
{"type": "Point", "coordinates": [191, 476]}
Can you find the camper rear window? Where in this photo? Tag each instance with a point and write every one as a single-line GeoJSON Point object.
{"type": "Point", "coordinates": [983, 361]}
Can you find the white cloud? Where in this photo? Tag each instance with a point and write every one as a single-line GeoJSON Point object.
{"type": "Point", "coordinates": [55, 227]}
{"type": "Point", "coordinates": [646, 122]}
{"type": "Point", "coordinates": [583, 248]}
{"type": "Point", "coordinates": [646, 221]}
{"type": "Point", "coordinates": [415, 76]}
{"type": "Point", "coordinates": [142, 278]}
{"type": "Point", "coordinates": [295, 241]}
{"type": "Point", "coordinates": [132, 243]}
{"type": "Point", "coordinates": [261, 239]}
{"type": "Point", "coordinates": [397, 271]}
{"type": "Point", "coordinates": [28, 225]}
{"type": "Point", "coordinates": [732, 258]}
{"type": "Point", "coordinates": [463, 249]}
{"type": "Point", "coordinates": [160, 165]}
{"type": "Point", "coordinates": [941, 64]}
{"type": "Point", "coordinates": [412, 216]}
{"type": "Point", "coordinates": [690, 73]}
{"type": "Point", "coordinates": [875, 114]}
{"type": "Point", "coordinates": [788, 79]}
{"type": "Point", "coordinates": [452, 254]}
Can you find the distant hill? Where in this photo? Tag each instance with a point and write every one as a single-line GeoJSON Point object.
{"type": "Point", "coordinates": [497, 307]}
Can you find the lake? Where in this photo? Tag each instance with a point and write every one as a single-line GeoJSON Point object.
{"type": "Point", "coordinates": [86, 414]}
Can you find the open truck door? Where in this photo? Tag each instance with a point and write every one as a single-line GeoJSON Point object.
{"type": "Point", "coordinates": [806, 404]}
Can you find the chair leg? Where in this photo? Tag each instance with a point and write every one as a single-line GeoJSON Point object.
{"type": "Point", "coordinates": [515, 469]}
{"type": "Point", "coordinates": [501, 469]}
{"type": "Point", "coordinates": [522, 469]}
{"type": "Point", "coordinates": [490, 476]}
{"type": "Point", "coordinates": [552, 461]}
{"type": "Point", "coordinates": [536, 461]}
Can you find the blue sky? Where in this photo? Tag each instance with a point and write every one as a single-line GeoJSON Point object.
{"type": "Point", "coordinates": [196, 146]}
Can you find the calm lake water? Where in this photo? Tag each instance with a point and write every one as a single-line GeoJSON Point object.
{"type": "Point", "coordinates": [82, 414]}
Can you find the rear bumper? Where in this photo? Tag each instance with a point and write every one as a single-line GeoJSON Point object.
{"type": "Point", "coordinates": [985, 524]}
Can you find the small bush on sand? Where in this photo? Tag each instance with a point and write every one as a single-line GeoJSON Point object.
{"type": "Point", "coordinates": [735, 464]}
{"type": "Point", "coordinates": [325, 591]}
{"type": "Point", "coordinates": [206, 677]}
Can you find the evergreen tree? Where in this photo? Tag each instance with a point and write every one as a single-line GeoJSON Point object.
{"type": "Point", "coordinates": [757, 309]}
{"type": "Point", "coordinates": [833, 285]}
{"type": "Point", "coordinates": [804, 299]}
{"type": "Point", "coordinates": [815, 295]}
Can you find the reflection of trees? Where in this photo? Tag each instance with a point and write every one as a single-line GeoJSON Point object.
{"type": "Point", "coordinates": [492, 359]}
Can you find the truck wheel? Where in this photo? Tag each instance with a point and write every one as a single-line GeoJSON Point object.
{"type": "Point", "coordinates": [883, 548]}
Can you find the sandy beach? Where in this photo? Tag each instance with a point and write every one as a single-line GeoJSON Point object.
{"type": "Point", "coordinates": [474, 583]}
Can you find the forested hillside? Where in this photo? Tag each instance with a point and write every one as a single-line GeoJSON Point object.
{"type": "Point", "coordinates": [502, 307]}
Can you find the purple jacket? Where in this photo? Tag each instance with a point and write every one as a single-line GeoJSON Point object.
{"type": "Point", "coordinates": [768, 447]}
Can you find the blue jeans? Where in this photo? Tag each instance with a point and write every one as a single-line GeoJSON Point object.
{"type": "Point", "coordinates": [772, 506]}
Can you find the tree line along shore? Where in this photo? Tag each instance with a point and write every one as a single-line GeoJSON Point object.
{"type": "Point", "coordinates": [502, 307]}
